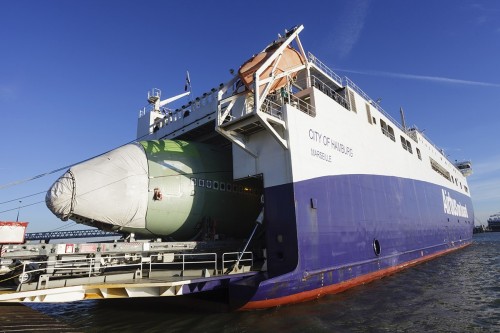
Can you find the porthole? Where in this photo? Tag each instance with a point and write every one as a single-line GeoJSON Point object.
{"type": "Point", "coordinates": [376, 247]}
{"type": "Point", "coordinates": [222, 186]}
{"type": "Point", "coordinates": [228, 187]}
{"type": "Point", "coordinates": [209, 184]}
{"type": "Point", "coordinates": [201, 182]}
{"type": "Point", "coordinates": [216, 185]}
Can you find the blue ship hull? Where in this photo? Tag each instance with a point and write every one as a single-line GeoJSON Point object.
{"type": "Point", "coordinates": [332, 233]}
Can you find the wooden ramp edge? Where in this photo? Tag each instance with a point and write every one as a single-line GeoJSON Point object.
{"type": "Point", "coordinates": [20, 318]}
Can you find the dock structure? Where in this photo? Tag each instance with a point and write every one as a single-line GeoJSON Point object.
{"type": "Point", "coordinates": [21, 318]}
{"type": "Point", "coordinates": [77, 290]}
{"type": "Point", "coordinates": [74, 272]}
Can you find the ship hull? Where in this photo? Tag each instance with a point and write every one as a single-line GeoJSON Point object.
{"type": "Point", "coordinates": [337, 220]}
{"type": "Point", "coordinates": [325, 287]}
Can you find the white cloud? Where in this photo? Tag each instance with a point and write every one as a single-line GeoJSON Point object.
{"type": "Point", "coordinates": [421, 77]}
{"type": "Point", "coordinates": [483, 15]}
{"type": "Point", "coordinates": [349, 27]}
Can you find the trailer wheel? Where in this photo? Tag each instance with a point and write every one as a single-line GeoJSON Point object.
{"type": "Point", "coordinates": [30, 275]}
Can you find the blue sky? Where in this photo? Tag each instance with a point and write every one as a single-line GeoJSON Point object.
{"type": "Point", "coordinates": [74, 74]}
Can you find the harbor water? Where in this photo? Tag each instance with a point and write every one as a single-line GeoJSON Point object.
{"type": "Point", "coordinates": [459, 292]}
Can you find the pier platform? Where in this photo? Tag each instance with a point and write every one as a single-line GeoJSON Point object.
{"type": "Point", "coordinates": [110, 286]}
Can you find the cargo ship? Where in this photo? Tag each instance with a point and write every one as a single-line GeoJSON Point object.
{"type": "Point", "coordinates": [296, 165]}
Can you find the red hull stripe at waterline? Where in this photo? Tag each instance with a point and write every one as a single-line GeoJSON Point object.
{"type": "Point", "coordinates": [339, 287]}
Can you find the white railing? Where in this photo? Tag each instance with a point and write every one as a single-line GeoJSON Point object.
{"type": "Point", "coordinates": [329, 91]}
{"type": "Point", "coordinates": [87, 267]}
{"type": "Point", "coordinates": [233, 259]}
{"type": "Point", "coordinates": [302, 106]}
{"type": "Point", "coordinates": [272, 108]}
{"type": "Point", "coordinates": [377, 106]}
{"type": "Point", "coordinates": [324, 68]}
{"type": "Point", "coordinates": [76, 266]}
{"type": "Point", "coordinates": [183, 262]}
{"type": "Point", "coordinates": [347, 82]}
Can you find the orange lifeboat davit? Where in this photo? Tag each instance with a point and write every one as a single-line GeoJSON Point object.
{"type": "Point", "coordinates": [290, 58]}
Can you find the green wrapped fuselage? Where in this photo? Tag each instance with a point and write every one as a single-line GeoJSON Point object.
{"type": "Point", "coordinates": [191, 192]}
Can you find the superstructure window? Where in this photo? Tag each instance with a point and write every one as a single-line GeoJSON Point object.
{"type": "Point", "coordinates": [352, 101]}
{"type": "Point", "coordinates": [406, 144]}
{"type": "Point", "coordinates": [369, 114]}
{"type": "Point", "coordinates": [387, 130]}
{"type": "Point", "coordinates": [391, 133]}
{"type": "Point", "coordinates": [383, 126]}
{"type": "Point", "coordinates": [440, 169]}
{"type": "Point", "coordinates": [418, 154]}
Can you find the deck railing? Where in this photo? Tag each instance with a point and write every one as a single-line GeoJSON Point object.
{"type": "Point", "coordinates": [324, 67]}
{"type": "Point", "coordinates": [347, 82]}
{"type": "Point", "coordinates": [329, 91]}
{"type": "Point", "coordinates": [377, 106]}
{"type": "Point", "coordinates": [87, 267]}
{"type": "Point", "coordinates": [231, 258]}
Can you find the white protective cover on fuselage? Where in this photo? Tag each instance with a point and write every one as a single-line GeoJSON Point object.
{"type": "Point", "coordinates": [111, 188]}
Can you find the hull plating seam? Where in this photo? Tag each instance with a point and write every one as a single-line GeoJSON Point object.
{"type": "Point", "coordinates": [308, 274]}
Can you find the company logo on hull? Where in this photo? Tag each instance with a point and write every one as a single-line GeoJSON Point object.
{"type": "Point", "coordinates": [452, 207]}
